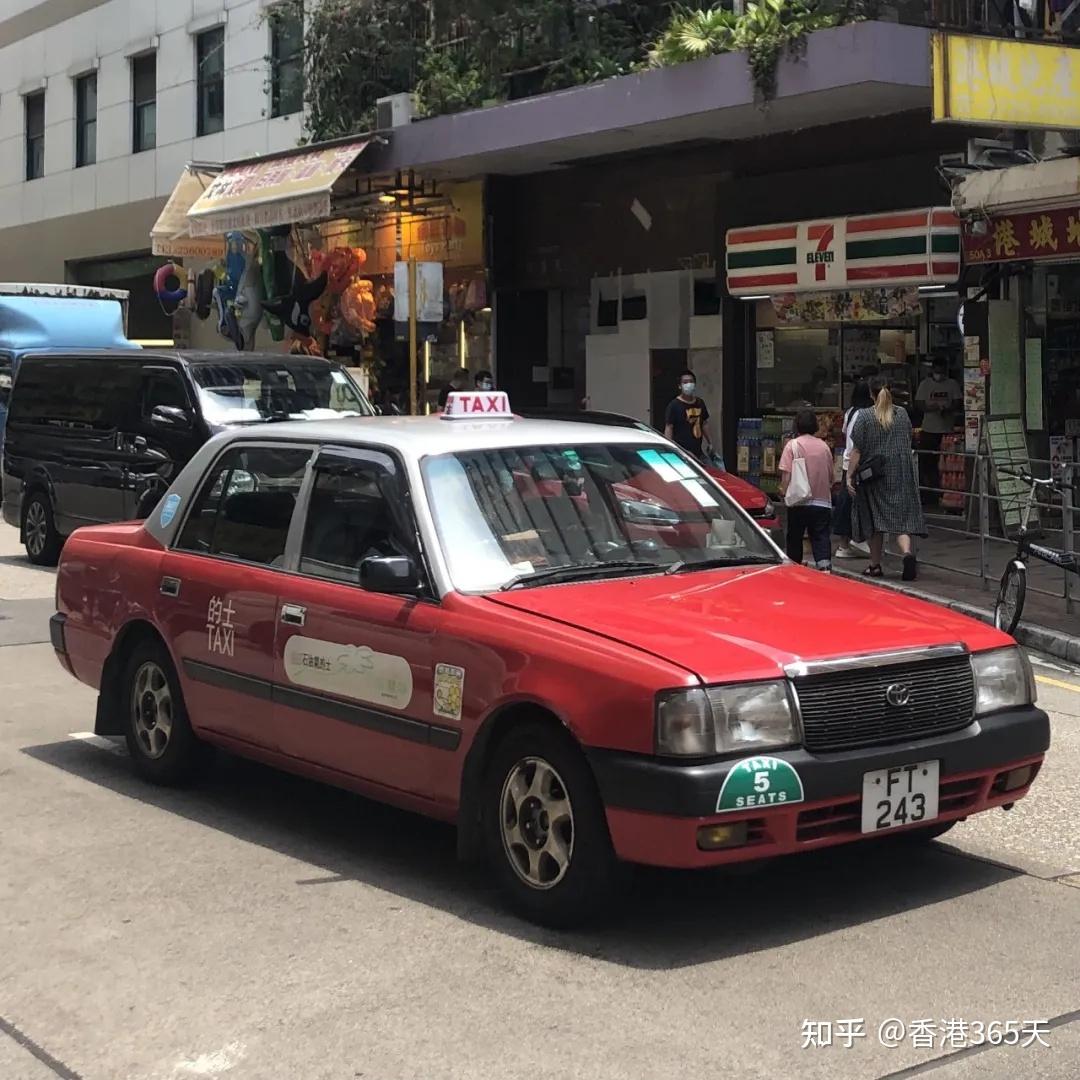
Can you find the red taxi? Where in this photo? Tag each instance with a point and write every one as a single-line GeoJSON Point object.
{"type": "Point", "coordinates": [566, 639]}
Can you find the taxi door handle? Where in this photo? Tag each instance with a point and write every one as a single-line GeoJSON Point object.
{"type": "Point", "coordinates": [293, 614]}
{"type": "Point", "coordinates": [170, 586]}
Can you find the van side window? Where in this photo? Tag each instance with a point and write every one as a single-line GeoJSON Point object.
{"type": "Point", "coordinates": [83, 393]}
{"type": "Point", "coordinates": [356, 513]}
{"type": "Point", "coordinates": [162, 388]}
{"type": "Point", "coordinates": [245, 505]}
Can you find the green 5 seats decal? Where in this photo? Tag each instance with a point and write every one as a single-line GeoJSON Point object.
{"type": "Point", "coordinates": [759, 782]}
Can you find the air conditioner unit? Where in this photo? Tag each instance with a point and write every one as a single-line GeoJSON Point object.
{"type": "Point", "coordinates": [394, 111]}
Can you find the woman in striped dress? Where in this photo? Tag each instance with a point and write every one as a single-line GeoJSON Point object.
{"type": "Point", "coordinates": [889, 504]}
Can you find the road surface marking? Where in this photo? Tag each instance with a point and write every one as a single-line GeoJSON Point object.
{"type": "Point", "coordinates": [1060, 684]}
{"type": "Point", "coordinates": [111, 745]}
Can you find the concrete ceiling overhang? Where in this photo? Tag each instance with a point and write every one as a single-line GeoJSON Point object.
{"type": "Point", "coordinates": [851, 72]}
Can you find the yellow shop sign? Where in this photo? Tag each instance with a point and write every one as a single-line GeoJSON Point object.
{"type": "Point", "coordinates": [1003, 82]}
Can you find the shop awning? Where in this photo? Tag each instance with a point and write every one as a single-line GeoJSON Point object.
{"type": "Point", "coordinates": [900, 248]}
{"type": "Point", "coordinates": [170, 235]}
{"type": "Point", "coordinates": [1040, 186]}
{"type": "Point", "coordinates": [282, 190]}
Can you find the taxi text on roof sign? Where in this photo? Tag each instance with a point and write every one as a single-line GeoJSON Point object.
{"type": "Point", "coordinates": [476, 405]}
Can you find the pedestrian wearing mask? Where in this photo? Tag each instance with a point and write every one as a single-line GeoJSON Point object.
{"type": "Point", "coordinates": [687, 420]}
{"type": "Point", "coordinates": [938, 397]}
{"type": "Point", "coordinates": [860, 399]}
{"type": "Point", "coordinates": [807, 490]}
{"type": "Point", "coordinates": [882, 483]}
{"type": "Point", "coordinates": [484, 380]}
{"type": "Point", "coordinates": [458, 381]}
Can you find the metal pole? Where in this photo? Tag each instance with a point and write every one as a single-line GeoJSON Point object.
{"type": "Point", "coordinates": [412, 336]}
{"type": "Point", "coordinates": [983, 471]}
{"type": "Point", "coordinates": [1067, 532]}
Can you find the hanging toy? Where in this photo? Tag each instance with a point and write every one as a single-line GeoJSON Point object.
{"type": "Point", "coordinates": [342, 265]}
{"type": "Point", "coordinates": [274, 263]}
{"type": "Point", "coordinates": [225, 293]}
{"type": "Point", "coordinates": [249, 304]}
{"type": "Point", "coordinates": [168, 284]}
{"type": "Point", "coordinates": [294, 310]}
{"type": "Point", "coordinates": [358, 306]}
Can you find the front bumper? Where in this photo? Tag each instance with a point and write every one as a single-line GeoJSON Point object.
{"type": "Point", "coordinates": [655, 807]}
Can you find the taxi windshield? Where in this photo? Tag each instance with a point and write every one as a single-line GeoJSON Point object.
{"type": "Point", "coordinates": [238, 392]}
{"type": "Point", "coordinates": [519, 516]}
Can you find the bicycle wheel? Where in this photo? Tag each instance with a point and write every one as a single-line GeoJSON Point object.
{"type": "Point", "coordinates": [1010, 597]}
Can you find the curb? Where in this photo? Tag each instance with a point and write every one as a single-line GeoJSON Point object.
{"type": "Point", "coordinates": [1031, 635]}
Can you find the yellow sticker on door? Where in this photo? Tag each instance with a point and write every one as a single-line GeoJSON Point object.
{"type": "Point", "coordinates": [352, 671]}
{"type": "Point", "coordinates": [449, 689]}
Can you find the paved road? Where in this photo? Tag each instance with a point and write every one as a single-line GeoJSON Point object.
{"type": "Point", "coordinates": [259, 926]}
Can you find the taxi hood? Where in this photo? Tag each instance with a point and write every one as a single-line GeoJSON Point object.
{"type": "Point", "coordinates": [749, 622]}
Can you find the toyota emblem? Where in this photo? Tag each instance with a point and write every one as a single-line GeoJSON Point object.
{"type": "Point", "coordinates": [898, 695]}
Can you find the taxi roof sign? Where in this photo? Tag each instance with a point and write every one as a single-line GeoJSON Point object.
{"type": "Point", "coordinates": [477, 405]}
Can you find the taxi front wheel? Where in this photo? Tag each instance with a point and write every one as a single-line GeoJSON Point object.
{"type": "Point", "coordinates": [159, 736]}
{"type": "Point", "coordinates": [545, 830]}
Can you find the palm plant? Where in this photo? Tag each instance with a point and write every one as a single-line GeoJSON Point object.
{"type": "Point", "coordinates": [765, 31]}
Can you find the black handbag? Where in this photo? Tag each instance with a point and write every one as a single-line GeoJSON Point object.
{"type": "Point", "coordinates": [870, 469]}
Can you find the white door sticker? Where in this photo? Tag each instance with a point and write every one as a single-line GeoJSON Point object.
{"type": "Point", "coordinates": [352, 671]}
{"type": "Point", "coordinates": [449, 690]}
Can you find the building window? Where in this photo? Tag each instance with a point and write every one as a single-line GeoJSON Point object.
{"type": "Point", "coordinates": [35, 135]}
{"type": "Point", "coordinates": [85, 120]}
{"type": "Point", "coordinates": [286, 60]}
{"type": "Point", "coordinates": [144, 98]}
{"type": "Point", "coordinates": [210, 80]}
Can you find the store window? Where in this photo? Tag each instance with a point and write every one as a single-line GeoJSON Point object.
{"type": "Point", "coordinates": [85, 120]}
{"type": "Point", "coordinates": [144, 102]}
{"type": "Point", "coordinates": [286, 60]}
{"type": "Point", "coordinates": [210, 80]}
{"type": "Point", "coordinates": [34, 105]}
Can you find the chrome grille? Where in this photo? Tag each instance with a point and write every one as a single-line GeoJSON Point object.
{"type": "Point", "coordinates": [844, 709]}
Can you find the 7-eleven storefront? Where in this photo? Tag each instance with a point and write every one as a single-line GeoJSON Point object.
{"type": "Point", "coordinates": [827, 302]}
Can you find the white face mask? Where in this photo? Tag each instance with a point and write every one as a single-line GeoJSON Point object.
{"type": "Point", "coordinates": [688, 388]}
{"type": "Point", "coordinates": [484, 384]}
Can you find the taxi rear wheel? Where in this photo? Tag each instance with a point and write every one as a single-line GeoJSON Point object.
{"type": "Point", "coordinates": [159, 736]}
{"type": "Point", "coordinates": [545, 830]}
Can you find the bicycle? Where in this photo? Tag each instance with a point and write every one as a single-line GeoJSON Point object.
{"type": "Point", "coordinates": [1009, 605]}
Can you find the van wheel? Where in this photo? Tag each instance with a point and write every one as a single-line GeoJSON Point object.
{"type": "Point", "coordinates": [159, 737]}
{"type": "Point", "coordinates": [40, 538]}
{"type": "Point", "coordinates": [545, 830]}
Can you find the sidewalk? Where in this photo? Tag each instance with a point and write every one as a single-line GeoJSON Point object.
{"type": "Point", "coordinates": [943, 556]}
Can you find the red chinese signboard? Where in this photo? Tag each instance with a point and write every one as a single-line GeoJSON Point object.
{"type": "Point", "coordinates": [1043, 234]}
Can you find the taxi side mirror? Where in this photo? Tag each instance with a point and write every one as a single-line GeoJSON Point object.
{"type": "Point", "coordinates": [170, 416]}
{"type": "Point", "coordinates": [394, 574]}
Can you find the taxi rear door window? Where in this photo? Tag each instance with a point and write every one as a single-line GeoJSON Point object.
{"type": "Point", "coordinates": [246, 503]}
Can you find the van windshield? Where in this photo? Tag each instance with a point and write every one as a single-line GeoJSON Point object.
{"type": "Point", "coordinates": [235, 392]}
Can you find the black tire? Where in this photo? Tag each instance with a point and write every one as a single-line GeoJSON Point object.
{"type": "Point", "coordinates": [169, 755]}
{"type": "Point", "coordinates": [1009, 605]}
{"type": "Point", "coordinates": [40, 538]}
{"type": "Point", "coordinates": [585, 887]}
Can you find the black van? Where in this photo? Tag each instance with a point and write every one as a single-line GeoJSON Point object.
{"type": "Point", "coordinates": [93, 437]}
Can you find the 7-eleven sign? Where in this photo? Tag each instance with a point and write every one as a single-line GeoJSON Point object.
{"type": "Point", "coordinates": [820, 254]}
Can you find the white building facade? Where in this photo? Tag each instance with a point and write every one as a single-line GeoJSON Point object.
{"type": "Point", "coordinates": [102, 105]}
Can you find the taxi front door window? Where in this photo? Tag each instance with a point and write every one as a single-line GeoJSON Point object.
{"type": "Point", "coordinates": [356, 513]}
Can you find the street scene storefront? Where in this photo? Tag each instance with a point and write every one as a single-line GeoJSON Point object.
{"type": "Point", "coordinates": [830, 301]}
{"type": "Point", "coordinates": [309, 252]}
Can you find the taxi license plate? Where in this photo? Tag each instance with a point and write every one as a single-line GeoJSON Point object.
{"type": "Point", "coordinates": [898, 796]}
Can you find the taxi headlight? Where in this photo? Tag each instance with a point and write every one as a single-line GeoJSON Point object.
{"type": "Point", "coordinates": [725, 719]}
{"type": "Point", "coordinates": [1003, 680]}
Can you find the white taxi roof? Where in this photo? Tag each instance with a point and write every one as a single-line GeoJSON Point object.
{"type": "Point", "coordinates": [421, 436]}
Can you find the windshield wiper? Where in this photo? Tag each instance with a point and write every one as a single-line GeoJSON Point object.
{"type": "Point", "coordinates": [720, 560]}
{"type": "Point", "coordinates": [579, 570]}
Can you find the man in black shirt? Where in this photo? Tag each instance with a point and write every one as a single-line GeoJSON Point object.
{"type": "Point", "coordinates": [687, 419]}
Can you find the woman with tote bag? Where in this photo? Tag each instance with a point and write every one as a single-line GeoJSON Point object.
{"type": "Point", "coordinates": [806, 474]}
